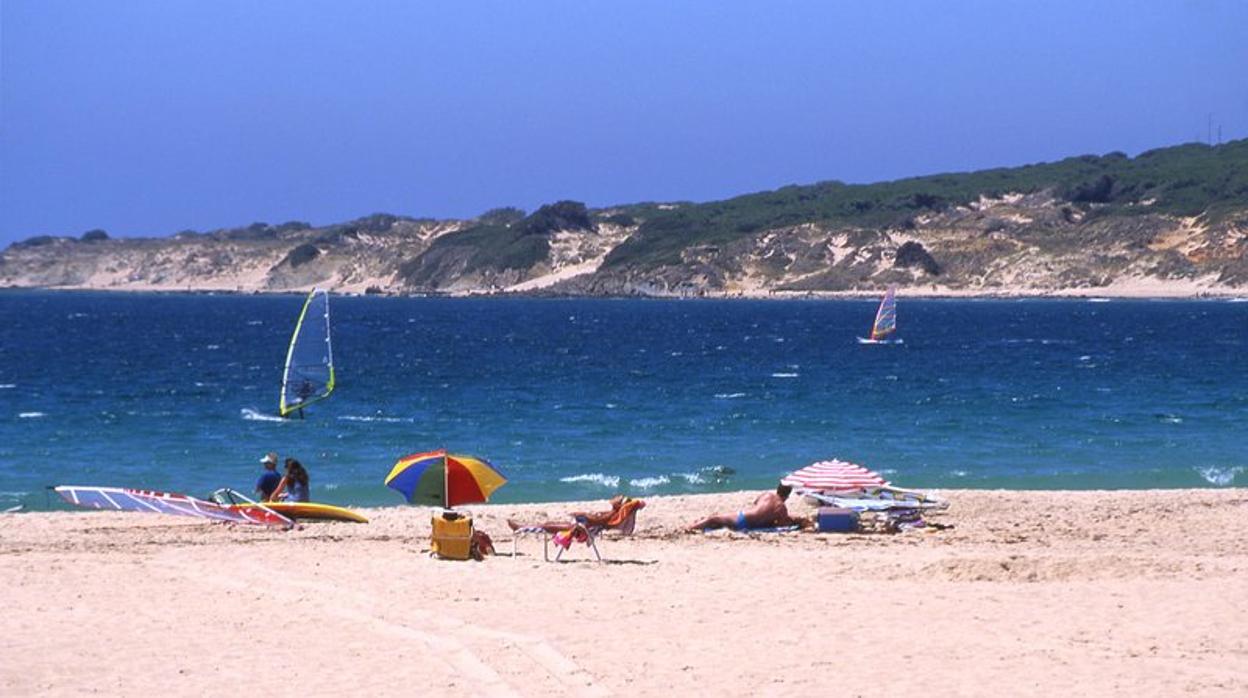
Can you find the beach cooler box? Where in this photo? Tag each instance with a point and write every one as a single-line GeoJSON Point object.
{"type": "Point", "coordinates": [452, 535]}
{"type": "Point", "coordinates": [836, 520]}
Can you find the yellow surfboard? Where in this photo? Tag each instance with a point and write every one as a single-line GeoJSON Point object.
{"type": "Point", "coordinates": [310, 511]}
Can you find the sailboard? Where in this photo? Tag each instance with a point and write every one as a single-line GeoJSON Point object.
{"type": "Point", "coordinates": [153, 502]}
{"type": "Point", "coordinates": [309, 373]}
{"type": "Point", "coordinates": [885, 324]}
{"type": "Point", "coordinates": [295, 510]}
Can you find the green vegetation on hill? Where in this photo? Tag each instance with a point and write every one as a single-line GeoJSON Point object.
{"type": "Point", "coordinates": [499, 241]}
{"type": "Point", "coordinates": [1185, 180]}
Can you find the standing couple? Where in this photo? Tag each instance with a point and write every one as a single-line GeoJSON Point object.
{"type": "Point", "coordinates": [291, 487]}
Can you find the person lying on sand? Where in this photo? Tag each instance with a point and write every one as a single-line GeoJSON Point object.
{"type": "Point", "coordinates": [621, 508]}
{"type": "Point", "coordinates": [768, 511]}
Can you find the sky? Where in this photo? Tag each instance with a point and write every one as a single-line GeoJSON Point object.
{"type": "Point", "coordinates": [148, 117]}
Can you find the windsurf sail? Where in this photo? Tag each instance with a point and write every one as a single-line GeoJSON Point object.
{"type": "Point", "coordinates": [309, 373]}
{"type": "Point", "coordinates": [152, 502]}
{"type": "Point", "coordinates": [886, 317]}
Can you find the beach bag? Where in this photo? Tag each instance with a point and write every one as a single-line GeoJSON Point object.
{"type": "Point", "coordinates": [481, 545]}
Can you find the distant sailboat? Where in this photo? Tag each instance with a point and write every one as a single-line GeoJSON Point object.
{"type": "Point", "coordinates": [885, 321]}
{"type": "Point", "coordinates": [309, 373]}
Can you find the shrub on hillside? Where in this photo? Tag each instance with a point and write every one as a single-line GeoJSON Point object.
{"type": "Point", "coordinates": [912, 254]}
{"type": "Point", "coordinates": [621, 219]}
{"type": "Point", "coordinates": [302, 255]}
{"type": "Point", "coordinates": [503, 215]}
{"type": "Point", "coordinates": [563, 215]}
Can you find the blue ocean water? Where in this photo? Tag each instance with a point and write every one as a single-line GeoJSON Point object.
{"type": "Point", "coordinates": [582, 398]}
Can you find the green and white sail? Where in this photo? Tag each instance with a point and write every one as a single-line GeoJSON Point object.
{"type": "Point", "coordinates": [309, 373]}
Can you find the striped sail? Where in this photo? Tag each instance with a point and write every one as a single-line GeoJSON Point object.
{"type": "Point", "coordinates": [886, 317]}
{"type": "Point", "coordinates": [150, 501]}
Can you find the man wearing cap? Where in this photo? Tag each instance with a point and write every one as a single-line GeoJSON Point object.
{"type": "Point", "coordinates": [269, 478]}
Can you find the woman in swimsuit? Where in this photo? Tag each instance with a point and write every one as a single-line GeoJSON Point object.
{"type": "Point", "coordinates": [294, 484]}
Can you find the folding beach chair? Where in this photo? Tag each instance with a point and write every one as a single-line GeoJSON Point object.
{"type": "Point", "coordinates": [624, 520]}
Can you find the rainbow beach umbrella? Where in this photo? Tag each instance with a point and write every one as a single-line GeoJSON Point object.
{"type": "Point", "coordinates": [438, 478]}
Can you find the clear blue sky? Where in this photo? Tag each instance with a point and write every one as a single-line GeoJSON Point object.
{"type": "Point", "coordinates": [145, 117]}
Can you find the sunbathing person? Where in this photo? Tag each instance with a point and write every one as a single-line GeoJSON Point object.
{"type": "Point", "coordinates": [621, 508]}
{"type": "Point", "coordinates": [768, 511]}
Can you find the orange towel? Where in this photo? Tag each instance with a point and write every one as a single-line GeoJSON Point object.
{"type": "Point", "coordinates": [628, 508]}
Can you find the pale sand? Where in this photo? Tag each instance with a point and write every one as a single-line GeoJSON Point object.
{"type": "Point", "coordinates": [1031, 593]}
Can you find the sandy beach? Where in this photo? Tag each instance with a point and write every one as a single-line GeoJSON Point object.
{"type": "Point", "coordinates": [1140, 593]}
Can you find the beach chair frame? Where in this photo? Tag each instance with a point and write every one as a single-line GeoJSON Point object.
{"type": "Point", "coordinates": [591, 541]}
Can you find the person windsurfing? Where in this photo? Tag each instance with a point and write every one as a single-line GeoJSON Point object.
{"type": "Point", "coordinates": [303, 392]}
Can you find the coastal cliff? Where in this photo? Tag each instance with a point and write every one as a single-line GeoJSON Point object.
{"type": "Point", "coordinates": [1172, 221]}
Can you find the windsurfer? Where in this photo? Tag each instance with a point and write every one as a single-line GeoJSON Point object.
{"type": "Point", "coordinates": [304, 392]}
{"type": "Point", "coordinates": [269, 479]}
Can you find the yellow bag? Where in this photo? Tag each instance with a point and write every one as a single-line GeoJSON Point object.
{"type": "Point", "coordinates": [452, 535]}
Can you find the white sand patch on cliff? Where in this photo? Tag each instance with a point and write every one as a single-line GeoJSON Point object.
{"type": "Point", "coordinates": [555, 277]}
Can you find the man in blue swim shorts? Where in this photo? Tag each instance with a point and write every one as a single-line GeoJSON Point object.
{"type": "Point", "coordinates": [768, 511]}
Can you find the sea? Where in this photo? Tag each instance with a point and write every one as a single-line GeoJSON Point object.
{"type": "Point", "coordinates": [584, 398]}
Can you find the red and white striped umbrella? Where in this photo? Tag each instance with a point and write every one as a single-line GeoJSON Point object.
{"type": "Point", "coordinates": [834, 476]}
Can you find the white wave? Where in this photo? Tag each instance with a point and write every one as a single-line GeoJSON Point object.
{"type": "Point", "coordinates": [254, 416]}
{"type": "Point", "coordinates": [646, 483]}
{"type": "Point", "coordinates": [1099, 300]}
{"type": "Point", "coordinates": [728, 396]}
{"type": "Point", "coordinates": [958, 473]}
{"type": "Point", "coordinates": [330, 486]}
{"type": "Point", "coordinates": [611, 405]}
{"type": "Point", "coordinates": [1237, 300]}
{"type": "Point", "coordinates": [213, 347]}
{"type": "Point", "coordinates": [7, 386]}
{"type": "Point", "coordinates": [594, 478]}
{"type": "Point", "coordinates": [365, 418]}
{"type": "Point", "coordinates": [692, 478]}
{"type": "Point", "coordinates": [31, 415]}
{"type": "Point", "coordinates": [785, 375]}
{"type": "Point", "coordinates": [1085, 357]}
{"type": "Point", "coordinates": [253, 323]}
{"type": "Point", "coordinates": [1221, 477]}
{"type": "Point", "coordinates": [1169, 419]}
